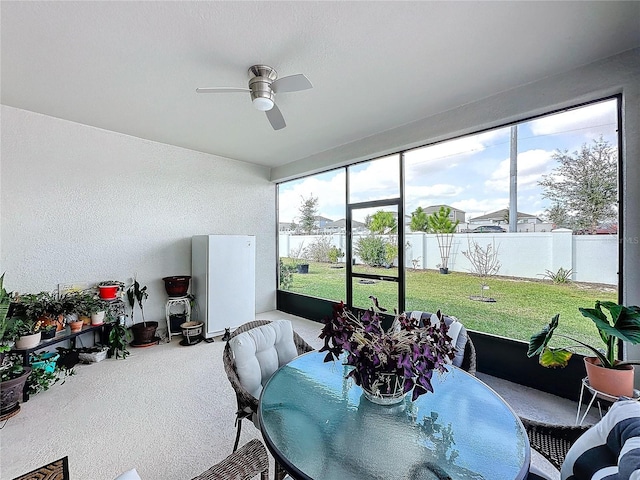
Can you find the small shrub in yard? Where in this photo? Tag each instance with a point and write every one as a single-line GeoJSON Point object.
{"type": "Point", "coordinates": [286, 275]}
{"type": "Point", "coordinates": [318, 250]}
{"type": "Point", "coordinates": [372, 250]}
{"type": "Point", "coordinates": [334, 254]}
{"type": "Point", "coordinates": [561, 276]}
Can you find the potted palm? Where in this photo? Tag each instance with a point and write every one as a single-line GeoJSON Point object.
{"type": "Point", "coordinates": [605, 372]}
{"type": "Point", "coordinates": [440, 224]}
{"type": "Point", "coordinates": [143, 332]}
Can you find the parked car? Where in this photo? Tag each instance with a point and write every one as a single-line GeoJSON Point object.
{"type": "Point", "coordinates": [488, 229]}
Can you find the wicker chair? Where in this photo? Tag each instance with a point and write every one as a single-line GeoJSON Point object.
{"type": "Point", "coordinates": [247, 462]}
{"type": "Point", "coordinates": [552, 441]}
{"type": "Point", "coordinates": [247, 403]}
{"type": "Point", "coordinates": [469, 358]}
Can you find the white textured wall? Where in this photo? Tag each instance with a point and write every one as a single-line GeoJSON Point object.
{"type": "Point", "coordinates": [84, 204]}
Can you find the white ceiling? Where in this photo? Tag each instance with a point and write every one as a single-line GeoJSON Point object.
{"type": "Point", "coordinates": [133, 67]}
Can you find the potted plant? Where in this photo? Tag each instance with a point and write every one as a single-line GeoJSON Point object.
{"type": "Point", "coordinates": [6, 337]}
{"type": "Point", "coordinates": [72, 305]}
{"type": "Point", "coordinates": [27, 332]}
{"type": "Point", "coordinates": [44, 306]}
{"type": "Point", "coordinates": [605, 372]}
{"type": "Point", "coordinates": [387, 364]}
{"type": "Point", "coordinates": [440, 224]}
{"type": "Point", "coordinates": [93, 308]}
{"type": "Point", "coordinates": [110, 289]}
{"type": "Point", "coordinates": [13, 376]}
{"type": "Point", "coordinates": [143, 332]}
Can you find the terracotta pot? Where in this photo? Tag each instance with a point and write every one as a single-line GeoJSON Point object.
{"type": "Point", "coordinates": [614, 382]}
{"type": "Point", "coordinates": [76, 326]}
{"type": "Point", "coordinates": [57, 321]}
{"type": "Point", "coordinates": [28, 341]}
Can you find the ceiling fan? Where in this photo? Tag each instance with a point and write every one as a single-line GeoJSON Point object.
{"type": "Point", "coordinates": [263, 86]}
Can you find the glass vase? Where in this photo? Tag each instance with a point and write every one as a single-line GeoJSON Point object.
{"type": "Point", "coordinates": [386, 389]}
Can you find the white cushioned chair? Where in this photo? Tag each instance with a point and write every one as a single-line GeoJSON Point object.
{"type": "Point", "coordinates": [252, 354]}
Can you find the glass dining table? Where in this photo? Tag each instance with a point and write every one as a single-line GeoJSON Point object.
{"type": "Point", "coordinates": [318, 425]}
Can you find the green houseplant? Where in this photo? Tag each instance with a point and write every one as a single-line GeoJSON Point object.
{"type": "Point", "coordinates": [13, 376]}
{"type": "Point", "coordinates": [143, 332]}
{"type": "Point", "coordinates": [6, 339]}
{"type": "Point", "coordinates": [622, 323]}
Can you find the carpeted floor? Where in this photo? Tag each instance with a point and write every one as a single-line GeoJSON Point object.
{"type": "Point", "coordinates": [167, 411]}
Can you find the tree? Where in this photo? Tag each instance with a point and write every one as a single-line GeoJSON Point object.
{"type": "Point", "coordinates": [484, 263]}
{"type": "Point", "coordinates": [419, 220]}
{"type": "Point", "coordinates": [584, 184]}
{"type": "Point", "coordinates": [558, 215]}
{"type": "Point", "coordinates": [439, 222]}
{"type": "Point", "coordinates": [383, 223]}
{"type": "Point", "coordinates": [308, 212]}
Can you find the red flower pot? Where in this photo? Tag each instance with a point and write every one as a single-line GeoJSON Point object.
{"type": "Point", "coordinates": [108, 292]}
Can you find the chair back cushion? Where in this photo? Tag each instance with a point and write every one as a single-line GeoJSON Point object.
{"type": "Point", "coordinates": [608, 450]}
{"type": "Point", "coordinates": [457, 332]}
{"type": "Point", "coordinates": [259, 352]}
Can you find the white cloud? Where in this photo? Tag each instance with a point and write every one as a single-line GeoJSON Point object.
{"type": "Point", "coordinates": [426, 195]}
{"type": "Point", "coordinates": [451, 153]}
{"type": "Point", "coordinates": [329, 189]}
{"type": "Point", "coordinates": [532, 164]}
{"type": "Point", "coordinates": [589, 117]}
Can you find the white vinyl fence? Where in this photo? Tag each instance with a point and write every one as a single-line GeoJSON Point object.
{"type": "Point", "coordinates": [593, 258]}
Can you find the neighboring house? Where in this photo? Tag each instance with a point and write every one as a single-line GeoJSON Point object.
{"type": "Point", "coordinates": [284, 227]}
{"type": "Point", "coordinates": [322, 222]}
{"type": "Point", "coordinates": [341, 226]}
{"type": "Point", "coordinates": [454, 214]}
{"type": "Point", "coordinates": [501, 217]}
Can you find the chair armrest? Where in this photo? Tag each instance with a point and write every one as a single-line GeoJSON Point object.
{"type": "Point", "coordinates": [552, 441]}
{"type": "Point", "coordinates": [247, 462]}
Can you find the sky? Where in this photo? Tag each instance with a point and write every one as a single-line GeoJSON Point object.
{"type": "Point", "coordinates": [471, 173]}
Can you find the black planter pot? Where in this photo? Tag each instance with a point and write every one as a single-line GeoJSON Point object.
{"type": "Point", "coordinates": [11, 393]}
{"type": "Point", "coordinates": [175, 320]}
{"type": "Point", "coordinates": [144, 334]}
{"type": "Point", "coordinates": [303, 268]}
{"type": "Point", "coordinates": [444, 271]}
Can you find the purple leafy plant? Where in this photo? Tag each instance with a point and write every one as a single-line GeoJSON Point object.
{"type": "Point", "coordinates": [406, 350]}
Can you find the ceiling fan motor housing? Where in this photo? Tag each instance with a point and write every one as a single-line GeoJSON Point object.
{"type": "Point", "coordinates": [260, 79]}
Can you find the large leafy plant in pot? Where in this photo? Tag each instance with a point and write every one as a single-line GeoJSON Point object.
{"type": "Point", "coordinates": [606, 373]}
{"type": "Point", "coordinates": [143, 332]}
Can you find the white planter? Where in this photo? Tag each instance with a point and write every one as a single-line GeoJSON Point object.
{"type": "Point", "coordinates": [97, 318]}
{"type": "Point", "coordinates": [28, 341]}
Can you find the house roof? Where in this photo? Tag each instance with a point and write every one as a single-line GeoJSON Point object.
{"type": "Point", "coordinates": [501, 215]}
{"type": "Point", "coordinates": [133, 67]}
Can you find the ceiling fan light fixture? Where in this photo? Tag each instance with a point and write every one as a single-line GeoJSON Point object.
{"type": "Point", "coordinates": [263, 104]}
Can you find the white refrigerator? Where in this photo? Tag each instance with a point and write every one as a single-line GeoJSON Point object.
{"type": "Point", "coordinates": [223, 280]}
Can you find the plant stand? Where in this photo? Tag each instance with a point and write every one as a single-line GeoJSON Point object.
{"type": "Point", "coordinates": [186, 311]}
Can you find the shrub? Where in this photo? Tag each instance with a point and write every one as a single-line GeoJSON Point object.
{"type": "Point", "coordinates": [334, 254]}
{"type": "Point", "coordinates": [318, 250]}
{"type": "Point", "coordinates": [372, 250]}
{"type": "Point", "coordinates": [561, 276]}
{"type": "Point", "coordinates": [286, 275]}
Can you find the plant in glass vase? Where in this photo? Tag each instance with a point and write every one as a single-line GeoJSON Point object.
{"type": "Point", "coordinates": [402, 358]}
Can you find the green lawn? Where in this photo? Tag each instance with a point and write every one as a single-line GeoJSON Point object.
{"type": "Point", "coordinates": [522, 306]}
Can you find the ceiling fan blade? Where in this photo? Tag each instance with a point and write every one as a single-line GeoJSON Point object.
{"type": "Point", "coordinates": [292, 83]}
{"type": "Point", "coordinates": [221, 89]}
{"type": "Point", "coordinates": [275, 118]}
